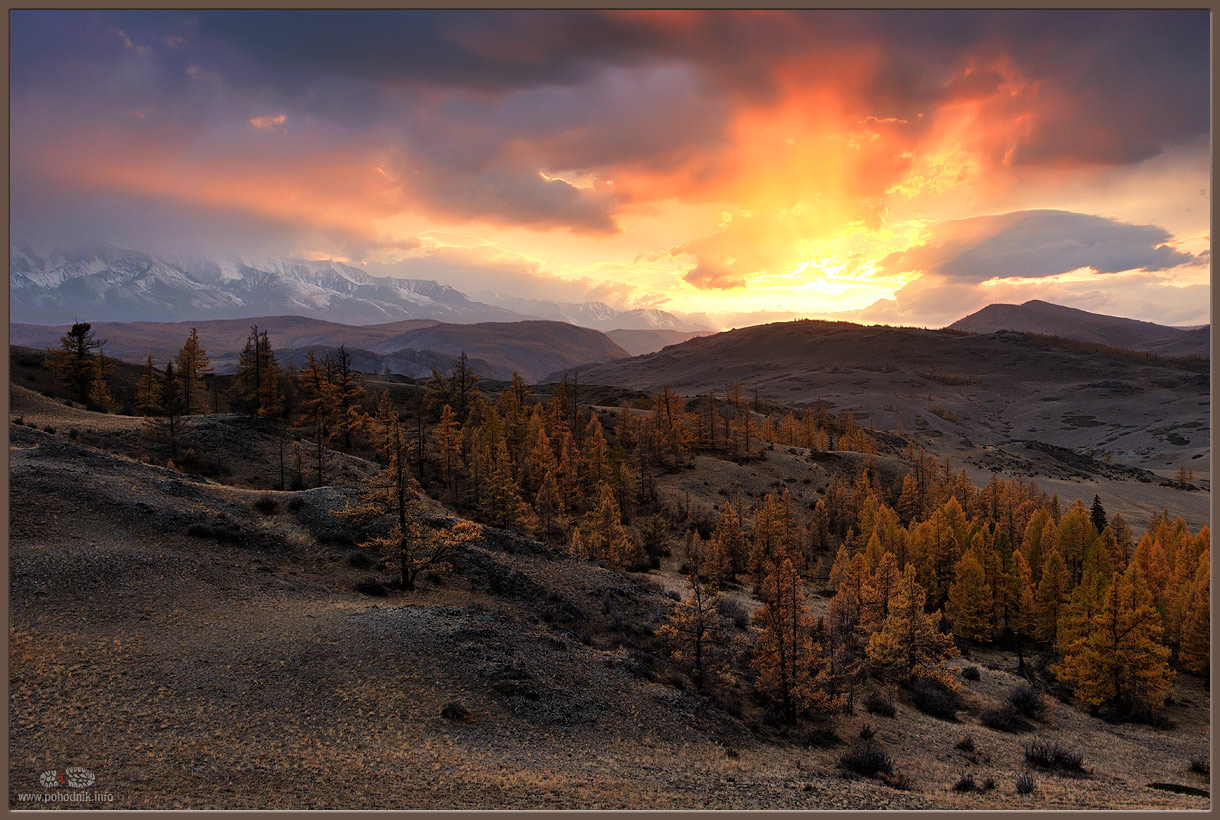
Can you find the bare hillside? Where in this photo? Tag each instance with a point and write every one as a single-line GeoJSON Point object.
{"type": "Point", "coordinates": [973, 397]}
{"type": "Point", "coordinates": [226, 661]}
{"type": "Point", "coordinates": [1036, 316]}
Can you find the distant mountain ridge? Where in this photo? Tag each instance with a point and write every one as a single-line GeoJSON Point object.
{"type": "Point", "coordinates": [117, 285]}
{"type": "Point", "coordinates": [1036, 316]}
{"type": "Point", "coordinates": [639, 342]}
{"type": "Point", "coordinates": [112, 284]}
{"type": "Point", "coordinates": [533, 348]}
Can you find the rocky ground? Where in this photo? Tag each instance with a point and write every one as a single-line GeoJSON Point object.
{"type": "Point", "coordinates": [196, 651]}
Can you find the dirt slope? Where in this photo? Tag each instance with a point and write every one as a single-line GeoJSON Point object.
{"type": "Point", "coordinates": [195, 652]}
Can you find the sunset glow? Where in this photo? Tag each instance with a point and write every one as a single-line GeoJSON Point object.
{"type": "Point", "coordinates": [745, 166]}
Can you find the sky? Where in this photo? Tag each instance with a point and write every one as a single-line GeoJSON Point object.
{"type": "Point", "coordinates": [903, 167]}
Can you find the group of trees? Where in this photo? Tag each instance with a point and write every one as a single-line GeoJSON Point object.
{"type": "Point", "coordinates": [1003, 564]}
{"type": "Point", "coordinates": [998, 564]}
{"type": "Point", "coordinates": [84, 372]}
{"type": "Point", "coordinates": [323, 402]}
{"type": "Point", "coordinates": [394, 494]}
{"type": "Point", "coordinates": [877, 625]}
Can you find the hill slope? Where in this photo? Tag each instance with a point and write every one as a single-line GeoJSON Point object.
{"type": "Point", "coordinates": [951, 388]}
{"type": "Point", "coordinates": [525, 678]}
{"type": "Point", "coordinates": [1037, 316]}
{"type": "Point", "coordinates": [412, 347]}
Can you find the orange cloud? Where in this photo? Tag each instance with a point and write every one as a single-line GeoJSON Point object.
{"type": "Point", "coordinates": [268, 122]}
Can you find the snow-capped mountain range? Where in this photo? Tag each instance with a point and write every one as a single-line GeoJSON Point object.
{"type": "Point", "coordinates": [110, 284]}
{"type": "Point", "coordinates": [117, 285]}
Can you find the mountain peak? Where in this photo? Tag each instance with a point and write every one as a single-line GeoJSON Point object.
{"type": "Point", "coordinates": [1038, 316]}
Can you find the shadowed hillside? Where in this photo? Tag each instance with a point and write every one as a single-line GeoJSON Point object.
{"type": "Point", "coordinates": [1036, 316]}
{"type": "Point", "coordinates": [954, 392]}
{"type": "Point", "coordinates": [411, 347]}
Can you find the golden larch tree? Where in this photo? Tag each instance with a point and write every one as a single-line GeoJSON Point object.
{"type": "Point", "coordinates": [193, 363]}
{"type": "Point", "coordinates": [970, 603]}
{"type": "Point", "coordinates": [148, 392]}
{"type": "Point", "coordinates": [783, 654]}
{"type": "Point", "coordinates": [394, 494]}
{"type": "Point", "coordinates": [910, 644]}
{"type": "Point", "coordinates": [1194, 642]}
{"type": "Point", "coordinates": [694, 632]}
{"type": "Point", "coordinates": [1049, 600]}
{"type": "Point", "coordinates": [1121, 662]}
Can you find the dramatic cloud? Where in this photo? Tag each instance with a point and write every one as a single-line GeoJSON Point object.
{"type": "Point", "coordinates": [1032, 244]}
{"type": "Point", "coordinates": [1071, 258]}
{"type": "Point", "coordinates": [713, 161]}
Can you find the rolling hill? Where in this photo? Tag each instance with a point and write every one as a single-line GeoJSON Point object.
{"type": "Point", "coordinates": [956, 391]}
{"type": "Point", "coordinates": [1037, 316]}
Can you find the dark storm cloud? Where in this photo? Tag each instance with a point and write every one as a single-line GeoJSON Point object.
{"type": "Point", "coordinates": [485, 50]}
{"type": "Point", "coordinates": [583, 91]}
{"type": "Point", "coordinates": [1036, 244]}
{"type": "Point", "coordinates": [1155, 63]}
{"type": "Point", "coordinates": [517, 196]}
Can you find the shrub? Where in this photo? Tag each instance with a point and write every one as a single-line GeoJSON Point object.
{"type": "Point", "coordinates": [866, 757]}
{"type": "Point", "coordinates": [897, 781]}
{"type": "Point", "coordinates": [879, 704]}
{"type": "Point", "coordinates": [371, 586]}
{"type": "Point", "coordinates": [732, 609]}
{"type": "Point", "coordinates": [1027, 700]}
{"type": "Point", "coordinates": [1026, 782]}
{"type": "Point", "coordinates": [19, 421]}
{"type": "Point", "coordinates": [74, 434]}
{"type": "Point", "coordinates": [226, 532]}
{"type": "Point", "coordinates": [1003, 719]}
{"type": "Point", "coordinates": [266, 504]}
{"type": "Point", "coordinates": [823, 737]}
{"type": "Point", "coordinates": [935, 699]}
{"type": "Point", "coordinates": [1201, 765]}
{"type": "Point", "coordinates": [971, 673]}
{"type": "Point", "coordinates": [966, 743]}
{"type": "Point", "coordinates": [456, 712]}
{"type": "Point", "coordinates": [359, 559]}
{"type": "Point", "coordinates": [866, 732]}
{"type": "Point", "coordinates": [988, 784]}
{"type": "Point", "coordinates": [1048, 754]}
{"type": "Point", "coordinates": [965, 783]}
{"type": "Point", "coordinates": [49, 429]}
{"type": "Point", "coordinates": [295, 504]}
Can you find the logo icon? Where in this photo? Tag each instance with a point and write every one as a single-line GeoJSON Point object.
{"type": "Point", "coordinates": [73, 777]}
